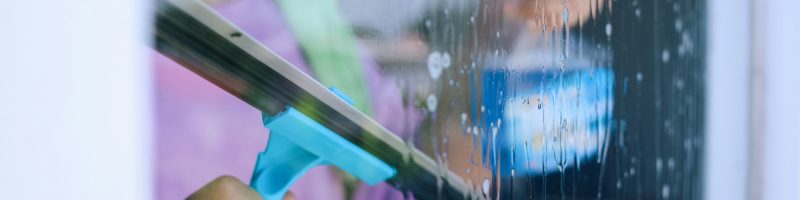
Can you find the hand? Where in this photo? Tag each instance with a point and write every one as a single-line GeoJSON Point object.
{"type": "Point", "coordinates": [228, 187]}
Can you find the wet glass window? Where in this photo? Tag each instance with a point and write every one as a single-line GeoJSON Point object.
{"type": "Point", "coordinates": [548, 99]}
{"type": "Point", "coordinates": [520, 99]}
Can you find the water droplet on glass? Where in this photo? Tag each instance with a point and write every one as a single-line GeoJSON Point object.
{"type": "Point", "coordinates": [639, 77]}
{"type": "Point", "coordinates": [659, 165]}
{"type": "Point", "coordinates": [539, 103]}
{"type": "Point", "coordinates": [486, 186]}
{"type": "Point", "coordinates": [686, 42]}
{"type": "Point", "coordinates": [665, 56]}
{"type": "Point", "coordinates": [463, 118]}
{"type": "Point", "coordinates": [665, 192]}
{"type": "Point", "coordinates": [445, 62]}
{"type": "Point", "coordinates": [608, 29]}
{"type": "Point", "coordinates": [565, 15]}
{"type": "Point", "coordinates": [671, 163]}
{"type": "Point", "coordinates": [435, 64]}
{"type": "Point", "coordinates": [679, 84]}
{"type": "Point", "coordinates": [638, 12]}
{"type": "Point", "coordinates": [432, 103]}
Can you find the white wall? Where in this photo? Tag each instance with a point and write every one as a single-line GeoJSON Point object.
{"type": "Point", "coordinates": [780, 61]}
{"type": "Point", "coordinates": [75, 100]}
{"type": "Point", "coordinates": [726, 164]}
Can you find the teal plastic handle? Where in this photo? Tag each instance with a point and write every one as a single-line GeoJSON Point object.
{"type": "Point", "coordinates": [297, 143]}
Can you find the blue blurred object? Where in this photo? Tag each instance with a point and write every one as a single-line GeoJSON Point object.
{"type": "Point", "coordinates": [546, 120]}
